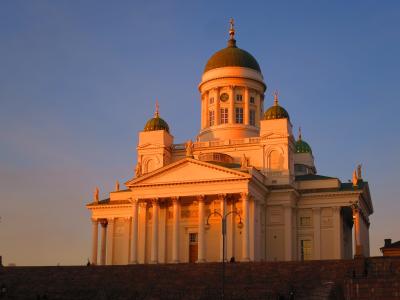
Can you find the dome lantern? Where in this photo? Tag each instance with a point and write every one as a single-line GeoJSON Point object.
{"type": "Point", "coordinates": [156, 123]}
{"type": "Point", "coordinates": [276, 111]}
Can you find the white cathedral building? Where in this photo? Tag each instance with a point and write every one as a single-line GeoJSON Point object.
{"type": "Point", "coordinates": [245, 170]}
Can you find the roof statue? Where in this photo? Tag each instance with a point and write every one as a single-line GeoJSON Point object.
{"type": "Point", "coordinates": [96, 194]}
{"type": "Point", "coordinates": [355, 178]}
{"type": "Point", "coordinates": [359, 171]}
{"type": "Point", "coordinates": [117, 186]}
{"type": "Point", "coordinates": [244, 163]}
{"type": "Point", "coordinates": [189, 148]}
{"type": "Point", "coordinates": [138, 169]}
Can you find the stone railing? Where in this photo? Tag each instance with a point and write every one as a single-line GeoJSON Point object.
{"type": "Point", "coordinates": [216, 143]}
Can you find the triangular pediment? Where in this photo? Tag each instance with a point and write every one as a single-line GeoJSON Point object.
{"type": "Point", "coordinates": [188, 170]}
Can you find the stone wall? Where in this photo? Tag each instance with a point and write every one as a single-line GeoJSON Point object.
{"type": "Point", "coordinates": [372, 278]}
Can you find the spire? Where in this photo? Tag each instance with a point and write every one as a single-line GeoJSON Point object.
{"type": "Point", "coordinates": [232, 41]}
{"type": "Point", "coordinates": [157, 114]}
{"type": "Point", "coordinates": [276, 102]}
{"type": "Point", "coordinates": [299, 133]}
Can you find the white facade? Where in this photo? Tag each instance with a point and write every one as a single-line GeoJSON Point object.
{"type": "Point", "coordinates": [245, 166]}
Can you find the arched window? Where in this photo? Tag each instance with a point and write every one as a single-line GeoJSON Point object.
{"type": "Point", "coordinates": [275, 160]}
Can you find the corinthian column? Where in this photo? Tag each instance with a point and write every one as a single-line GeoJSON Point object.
{"type": "Point", "coordinates": [134, 250]}
{"type": "Point", "coordinates": [154, 236]}
{"type": "Point", "coordinates": [201, 257]}
{"type": "Point", "coordinates": [95, 237]}
{"type": "Point", "coordinates": [246, 110]}
{"type": "Point", "coordinates": [246, 229]}
{"type": "Point", "coordinates": [175, 230]}
{"type": "Point", "coordinates": [103, 223]}
{"type": "Point", "coordinates": [222, 199]}
{"type": "Point", "coordinates": [110, 241]}
{"type": "Point", "coordinates": [231, 105]}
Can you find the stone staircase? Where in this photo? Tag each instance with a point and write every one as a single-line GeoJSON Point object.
{"type": "Point", "coordinates": [372, 278]}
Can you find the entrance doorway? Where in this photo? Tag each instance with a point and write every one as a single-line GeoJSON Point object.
{"type": "Point", "coordinates": [193, 247]}
{"type": "Point", "coordinates": [305, 250]}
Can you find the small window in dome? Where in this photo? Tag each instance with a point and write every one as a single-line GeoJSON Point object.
{"type": "Point", "coordinates": [252, 100]}
{"type": "Point", "coordinates": [211, 118]}
{"type": "Point", "coordinates": [239, 97]}
{"type": "Point", "coordinates": [252, 117]}
{"type": "Point", "coordinates": [224, 115]}
{"type": "Point", "coordinates": [211, 100]}
{"type": "Point", "coordinates": [239, 115]}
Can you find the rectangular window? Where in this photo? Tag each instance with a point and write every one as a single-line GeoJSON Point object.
{"type": "Point", "coordinates": [305, 250]}
{"type": "Point", "coordinates": [305, 221]}
{"type": "Point", "coordinates": [239, 97]}
{"type": "Point", "coordinates": [239, 115]}
{"type": "Point", "coordinates": [211, 100]}
{"type": "Point", "coordinates": [252, 117]}
{"type": "Point", "coordinates": [224, 115]}
{"type": "Point", "coordinates": [211, 117]}
{"type": "Point", "coordinates": [193, 238]}
{"type": "Point", "coordinates": [252, 100]}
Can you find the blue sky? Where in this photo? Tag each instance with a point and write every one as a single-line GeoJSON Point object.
{"type": "Point", "coordinates": [79, 79]}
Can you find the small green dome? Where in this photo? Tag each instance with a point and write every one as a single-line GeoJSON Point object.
{"type": "Point", "coordinates": [302, 147]}
{"type": "Point", "coordinates": [156, 123]}
{"type": "Point", "coordinates": [276, 112]}
{"type": "Point", "coordinates": [232, 56]}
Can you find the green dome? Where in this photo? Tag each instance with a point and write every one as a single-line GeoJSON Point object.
{"type": "Point", "coordinates": [302, 147]}
{"type": "Point", "coordinates": [276, 112]}
{"type": "Point", "coordinates": [156, 123]}
{"type": "Point", "coordinates": [232, 56]}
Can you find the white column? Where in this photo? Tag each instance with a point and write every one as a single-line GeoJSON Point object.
{"type": "Point", "coordinates": [217, 107]}
{"type": "Point", "coordinates": [134, 244]}
{"type": "Point", "coordinates": [246, 112]}
{"type": "Point", "coordinates": [357, 233]}
{"type": "Point", "coordinates": [95, 237]}
{"type": "Point", "coordinates": [154, 235]}
{"type": "Point", "coordinates": [110, 241]}
{"type": "Point", "coordinates": [231, 114]}
{"type": "Point", "coordinates": [288, 233]}
{"type": "Point", "coordinates": [337, 233]}
{"type": "Point", "coordinates": [142, 232]}
{"type": "Point", "coordinates": [317, 232]}
{"type": "Point", "coordinates": [222, 199]}
{"type": "Point", "coordinates": [201, 255]}
{"type": "Point", "coordinates": [175, 230]}
{"type": "Point", "coordinates": [162, 252]}
{"type": "Point", "coordinates": [206, 110]}
{"type": "Point", "coordinates": [231, 229]}
{"type": "Point", "coordinates": [246, 224]}
{"type": "Point", "coordinates": [252, 227]}
{"type": "Point", "coordinates": [103, 241]}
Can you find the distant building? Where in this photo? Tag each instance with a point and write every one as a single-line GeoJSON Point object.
{"type": "Point", "coordinates": [245, 162]}
{"type": "Point", "coordinates": [391, 249]}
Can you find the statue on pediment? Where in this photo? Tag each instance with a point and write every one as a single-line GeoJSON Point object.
{"type": "Point", "coordinates": [189, 148]}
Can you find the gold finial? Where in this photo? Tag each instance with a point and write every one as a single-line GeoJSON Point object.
{"type": "Point", "coordinates": [276, 97]}
{"type": "Point", "coordinates": [299, 133]}
{"type": "Point", "coordinates": [157, 114]}
{"type": "Point", "coordinates": [231, 29]}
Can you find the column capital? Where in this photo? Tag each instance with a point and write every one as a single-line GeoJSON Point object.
{"type": "Point", "coordinates": [104, 222]}
{"type": "Point", "coordinates": [201, 198]}
{"type": "Point", "coordinates": [175, 199]}
{"type": "Point", "coordinates": [222, 197]}
{"type": "Point", "coordinates": [154, 202]}
{"type": "Point", "coordinates": [95, 221]}
{"type": "Point", "coordinates": [143, 204]}
{"type": "Point", "coordinates": [134, 200]}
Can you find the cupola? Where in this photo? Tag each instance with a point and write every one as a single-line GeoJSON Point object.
{"type": "Point", "coordinates": [156, 123]}
{"type": "Point", "coordinates": [276, 111]}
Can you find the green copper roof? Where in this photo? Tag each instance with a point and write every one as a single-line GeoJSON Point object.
{"type": "Point", "coordinates": [232, 56]}
{"type": "Point", "coordinates": [156, 123]}
{"type": "Point", "coordinates": [276, 112]}
{"type": "Point", "coordinates": [302, 147]}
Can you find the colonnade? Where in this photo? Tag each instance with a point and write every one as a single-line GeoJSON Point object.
{"type": "Point", "coordinates": [106, 247]}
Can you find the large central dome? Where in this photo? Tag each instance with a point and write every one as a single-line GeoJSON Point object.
{"type": "Point", "coordinates": [232, 56]}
